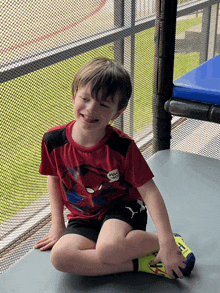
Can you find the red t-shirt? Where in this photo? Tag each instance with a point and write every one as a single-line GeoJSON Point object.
{"type": "Point", "coordinates": [92, 177]}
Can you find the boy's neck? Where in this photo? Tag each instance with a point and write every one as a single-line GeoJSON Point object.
{"type": "Point", "coordinates": [87, 138]}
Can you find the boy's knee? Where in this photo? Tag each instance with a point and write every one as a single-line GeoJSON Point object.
{"type": "Point", "coordinates": [57, 258]}
{"type": "Point", "coordinates": [109, 252]}
{"type": "Point", "coordinates": [103, 254]}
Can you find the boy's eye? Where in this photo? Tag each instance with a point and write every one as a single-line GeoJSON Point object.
{"type": "Point", "coordinates": [88, 99]}
{"type": "Point", "coordinates": [85, 99]}
{"type": "Point", "coordinates": [103, 105]}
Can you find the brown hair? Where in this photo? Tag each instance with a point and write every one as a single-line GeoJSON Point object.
{"type": "Point", "coordinates": [107, 79]}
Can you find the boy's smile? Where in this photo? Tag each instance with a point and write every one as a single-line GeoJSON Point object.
{"type": "Point", "coordinates": [89, 119]}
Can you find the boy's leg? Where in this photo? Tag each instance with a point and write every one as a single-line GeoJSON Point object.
{"type": "Point", "coordinates": [78, 255]}
{"type": "Point", "coordinates": [118, 243]}
{"type": "Point", "coordinates": [123, 235]}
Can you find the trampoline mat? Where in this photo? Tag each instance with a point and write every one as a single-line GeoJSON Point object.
{"type": "Point", "coordinates": [190, 187]}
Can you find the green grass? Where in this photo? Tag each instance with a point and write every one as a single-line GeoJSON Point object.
{"type": "Point", "coordinates": [35, 102]}
{"type": "Point", "coordinates": [144, 59]}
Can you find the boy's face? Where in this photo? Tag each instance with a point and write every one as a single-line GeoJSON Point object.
{"type": "Point", "coordinates": [91, 114]}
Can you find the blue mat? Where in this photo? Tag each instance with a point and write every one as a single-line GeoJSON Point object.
{"type": "Point", "coordinates": [202, 84]}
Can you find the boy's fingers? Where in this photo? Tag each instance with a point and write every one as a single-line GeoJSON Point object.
{"type": "Point", "coordinates": [182, 266]}
{"type": "Point", "coordinates": [173, 274]}
{"type": "Point", "coordinates": [43, 246]}
{"type": "Point", "coordinates": [46, 247]}
{"type": "Point", "coordinates": [178, 273]}
{"type": "Point", "coordinates": [42, 240]}
{"type": "Point", "coordinates": [41, 243]}
{"type": "Point", "coordinates": [155, 261]}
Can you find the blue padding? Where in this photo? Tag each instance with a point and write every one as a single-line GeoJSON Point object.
{"type": "Point", "coordinates": [190, 187]}
{"type": "Point", "coordinates": [202, 84]}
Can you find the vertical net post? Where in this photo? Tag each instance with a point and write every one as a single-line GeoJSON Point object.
{"type": "Point", "coordinates": [209, 32]}
{"type": "Point", "coordinates": [213, 30]}
{"type": "Point", "coordinates": [124, 50]}
{"type": "Point", "coordinates": [119, 46]}
{"type": "Point", "coordinates": [129, 58]}
{"type": "Point", "coordinates": [165, 31]}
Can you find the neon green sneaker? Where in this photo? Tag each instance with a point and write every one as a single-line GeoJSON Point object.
{"type": "Point", "coordinates": [159, 269]}
{"type": "Point", "coordinates": [187, 253]}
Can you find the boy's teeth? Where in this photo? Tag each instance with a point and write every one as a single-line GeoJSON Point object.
{"type": "Point", "coordinates": [89, 118]}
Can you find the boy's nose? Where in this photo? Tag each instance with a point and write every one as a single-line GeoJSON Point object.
{"type": "Point", "coordinates": [92, 107]}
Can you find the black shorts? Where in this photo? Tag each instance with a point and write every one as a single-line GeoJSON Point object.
{"type": "Point", "coordinates": [132, 212]}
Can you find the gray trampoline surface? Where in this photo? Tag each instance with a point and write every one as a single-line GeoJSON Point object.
{"type": "Point", "coordinates": [190, 185]}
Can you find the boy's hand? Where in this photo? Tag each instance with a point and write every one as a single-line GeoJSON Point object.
{"type": "Point", "coordinates": [172, 259]}
{"type": "Point", "coordinates": [50, 239]}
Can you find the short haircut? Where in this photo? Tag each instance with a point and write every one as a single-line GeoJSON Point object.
{"type": "Point", "coordinates": [107, 79]}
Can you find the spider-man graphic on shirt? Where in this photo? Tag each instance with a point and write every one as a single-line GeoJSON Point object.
{"type": "Point", "coordinates": [89, 188]}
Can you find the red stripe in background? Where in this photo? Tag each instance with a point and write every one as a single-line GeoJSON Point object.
{"type": "Point", "coordinates": [103, 2]}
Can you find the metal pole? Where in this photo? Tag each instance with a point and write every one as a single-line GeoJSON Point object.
{"type": "Point", "coordinates": [124, 15]}
{"type": "Point", "coordinates": [165, 31]}
{"type": "Point", "coordinates": [119, 46]}
{"type": "Point", "coordinates": [206, 16]}
{"type": "Point", "coordinates": [213, 30]}
{"type": "Point", "coordinates": [129, 55]}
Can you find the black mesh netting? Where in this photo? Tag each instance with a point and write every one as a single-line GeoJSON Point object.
{"type": "Point", "coordinates": [193, 47]}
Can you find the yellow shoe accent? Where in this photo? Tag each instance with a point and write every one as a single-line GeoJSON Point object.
{"type": "Point", "coordinates": [187, 253]}
{"type": "Point", "coordinates": [182, 246]}
{"type": "Point", "coordinates": [158, 269]}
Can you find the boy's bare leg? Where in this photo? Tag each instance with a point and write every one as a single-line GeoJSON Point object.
{"type": "Point", "coordinates": [78, 255]}
{"type": "Point", "coordinates": [118, 243]}
{"type": "Point", "coordinates": [116, 247]}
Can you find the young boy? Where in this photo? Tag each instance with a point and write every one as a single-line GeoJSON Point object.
{"type": "Point", "coordinates": [99, 174]}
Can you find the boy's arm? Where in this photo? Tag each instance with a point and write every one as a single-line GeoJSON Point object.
{"type": "Point", "coordinates": [56, 201]}
{"type": "Point", "coordinates": [169, 254]}
{"type": "Point", "coordinates": [58, 224]}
